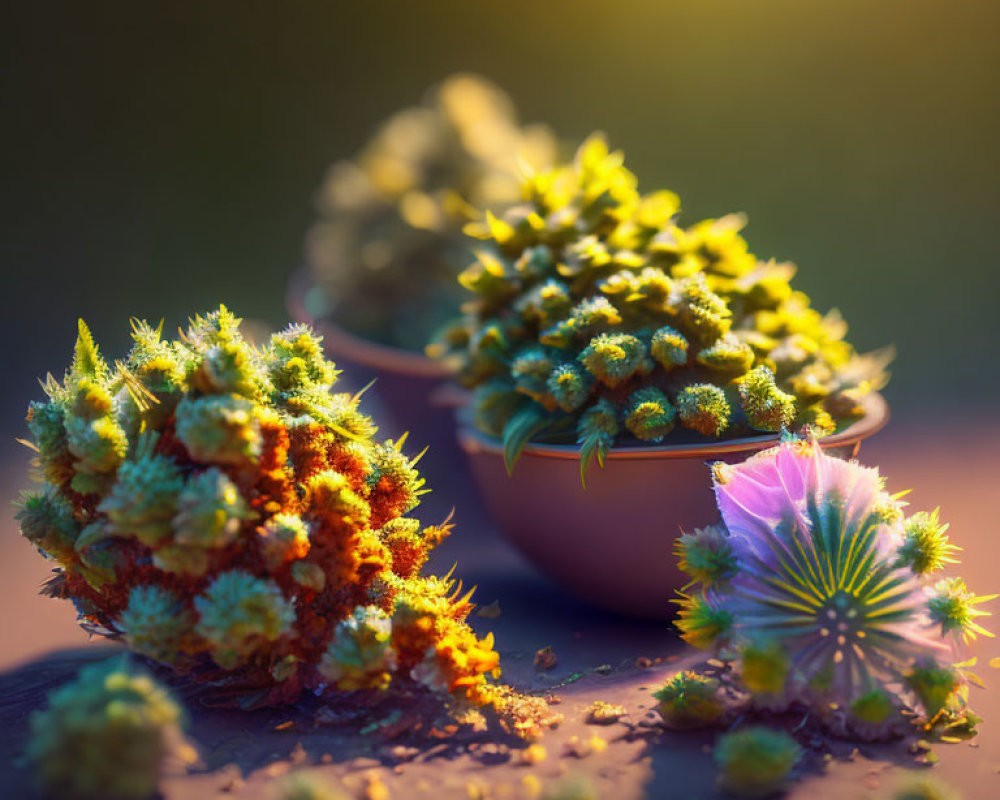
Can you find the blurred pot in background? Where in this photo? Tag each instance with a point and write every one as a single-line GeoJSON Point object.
{"type": "Point", "coordinates": [384, 253]}
{"type": "Point", "coordinates": [387, 245]}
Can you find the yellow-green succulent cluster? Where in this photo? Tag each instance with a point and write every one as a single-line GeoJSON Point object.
{"type": "Point", "coordinates": [110, 733]}
{"type": "Point", "coordinates": [388, 243]}
{"type": "Point", "coordinates": [598, 316]}
{"type": "Point", "coordinates": [216, 506]}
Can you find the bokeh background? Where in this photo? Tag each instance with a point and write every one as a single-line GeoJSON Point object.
{"type": "Point", "coordinates": [159, 158]}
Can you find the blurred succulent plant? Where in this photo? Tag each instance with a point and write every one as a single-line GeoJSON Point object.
{"type": "Point", "coordinates": [755, 761]}
{"type": "Point", "coordinates": [598, 317]}
{"type": "Point", "coordinates": [388, 243]}
{"type": "Point", "coordinates": [822, 592]}
{"type": "Point", "coordinates": [574, 786]}
{"type": "Point", "coordinates": [915, 786]}
{"type": "Point", "coordinates": [216, 506]}
{"type": "Point", "coordinates": [304, 785]}
{"type": "Point", "coordinates": [111, 733]}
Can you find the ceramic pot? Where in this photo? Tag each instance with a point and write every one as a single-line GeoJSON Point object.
{"type": "Point", "coordinates": [411, 394]}
{"type": "Point", "coordinates": [612, 543]}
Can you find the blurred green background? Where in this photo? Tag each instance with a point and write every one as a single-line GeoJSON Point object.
{"type": "Point", "coordinates": [161, 157]}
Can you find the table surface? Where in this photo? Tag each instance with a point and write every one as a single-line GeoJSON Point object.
{"type": "Point", "coordinates": [242, 753]}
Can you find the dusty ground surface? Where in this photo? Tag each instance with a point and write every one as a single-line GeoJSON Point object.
{"type": "Point", "coordinates": [599, 657]}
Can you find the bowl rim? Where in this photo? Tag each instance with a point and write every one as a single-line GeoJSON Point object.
{"type": "Point", "coordinates": [875, 417]}
{"type": "Point", "coordinates": [357, 348]}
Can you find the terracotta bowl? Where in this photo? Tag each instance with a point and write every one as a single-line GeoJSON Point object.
{"type": "Point", "coordinates": [612, 544]}
{"type": "Point", "coordinates": [411, 394]}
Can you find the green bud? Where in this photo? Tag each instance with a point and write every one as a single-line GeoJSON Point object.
{"type": "Point", "coordinates": [570, 386]}
{"type": "Point", "coordinates": [706, 555]}
{"type": "Point", "coordinates": [47, 522]}
{"type": "Point", "coordinates": [669, 348]}
{"type": "Point", "coordinates": [360, 654]}
{"type": "Point", "coordinates": [926, 547]}
{"type": "Point", "coordinates": [755, 761]}
{"type": "Point", "coordinates": [239, 614]}
{"type": "Point", "coordinates": [873, 708]}
{"type": "Point", "coordinates": [110, 733]}
{"type": "Point", "coordinates": [531, 370]}
{"type": "Point", "coordinates": [727, 354]}
{"type": "Point", "coordinates": [689, 700]}
{"type": "Point", "coordinates": [155, 623]}
{"type": "Point", "coordinates": [47, 423]}
{"type": "Point", "coordinates": [219, 429]}
{"type": "Point", "coordinates": [702, 624]}
{"type": "Point", "coordinates": [703, 407]}
{"type": "Point", "coordinates": [295, 359]}
{"type": "Point", "coordinates": [545, 303]}
{"type": "Point", "coordinates": [767, 407]}
{"type": "Point", "coordinates": [210, 511]}
{"type": "Point", "coordinates": [701, 311]}
{"type": "Point", "coordinates": [955, 609]}
{"type": "Point", "coordinates": [100, 446]}
{"type": "Point", "coordinates": [649, 415]}
{"type": "Point", "coordinates": [934, 686]}
{"type": "Point", "coordinates": [616, 357]}
{"type": "Point", "coordinates": [143, 500]}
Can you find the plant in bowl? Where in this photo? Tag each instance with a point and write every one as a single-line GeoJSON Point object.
{"type": "Point", "coordinates": [216, 507]}
{"type": "Point", "coordinates": [601, 329]}
{"type": "Point", "coordinates": [382, 256]}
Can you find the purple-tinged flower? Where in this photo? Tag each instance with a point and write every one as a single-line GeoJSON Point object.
{"type": "Point", "coordinates": [824, 570]}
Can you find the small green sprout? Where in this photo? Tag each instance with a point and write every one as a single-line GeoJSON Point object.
{"type": "Point", "coordinates": [689, 700]}
{"type": "Point", "coordinates": [755, 761]}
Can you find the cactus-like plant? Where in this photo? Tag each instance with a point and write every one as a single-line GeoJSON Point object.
{"type": "Point", "coordinates": [598, 317]}
{"type": "Point", "coordinates": [388, 241]}
{"type": "Point", "coordinates": [755, 761]}
{"type": "Point", "coordinates": [218, 508]}
{"type": "Point", "coordinates": [690, 700]}
{"type": "Point", "coordinates": [914, 786]}
{"type": "Point", "coordinates": [823, 592]}
{"type": "Point", "coordinates": [110, 733]}
{"type": "Point", "coordinates": [303, 785]}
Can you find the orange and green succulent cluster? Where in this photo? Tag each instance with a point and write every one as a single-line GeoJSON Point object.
{"type": "Point", "coordinates": [598, 316]}
{"type": "Point", "coordinates": [388, 243]}
{"type": "Point", "coordinates": [821, 592]}
{"type": "Point", "coordinates": [216, 506]}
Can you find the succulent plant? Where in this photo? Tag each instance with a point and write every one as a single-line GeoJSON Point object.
{"type": "Point", "coordinates": [922, 787]}
{"type": "Point", "coordinates": [574, 786]}
{"type": "Point", "coordinates": [598, 318]}
{"type": "Point", "coordinates": [110, 733]}
{"type": "Point", "coordinates": [303, 785]}
{"type": "Point", "coordinates": [388, 243]}
{"type": "Point", "coordinates": [755, 761]}
{"type": "Point", "coordinates": [217, 507]}
{"type": "Point", "coordinates": [690, 700]}
{"type": "Point", "coordinates": [828, 595]}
